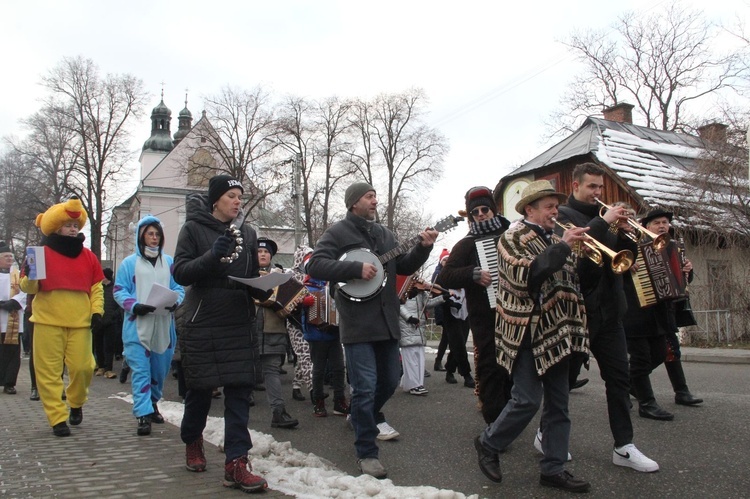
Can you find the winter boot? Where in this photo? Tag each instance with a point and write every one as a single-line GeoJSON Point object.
{"type": "Point", "coordinates": [647, 406]}
{"type": "Point", "coordinates": [76, 416]}
{"type": "Point", "coordinates": [156, 416]}
{"type": "Point", "coordinates": [297, 395]}
{"type": "Point", "coordinates": [195, 459]}
{"type": "Point", "coordinates": [438, 366]}
{"type": "Point", "coordinates": [281, 419]}
{"type": "Point", "coordinates": [682, 395]}
{"type": "Point", "coordinates": [144, 425]}
{"type": "Point", "coordinates": [340, 406]}
{"type": "Point", "coordinates": [61, 429]}
{"type": "Point", "coordinates": [238, 474]}
{"type": "Point", "coordinates": [320, 408]}
{"type": "Point", "coordinates": [469, 381]}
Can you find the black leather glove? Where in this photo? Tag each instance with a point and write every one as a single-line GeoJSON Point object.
{"type": "Point", "coordinates": [10, 305]}
{"type": "Point", "coordinates": [96, 321]}
{"type": "Point", "coordinates": [455, 305]}
{"type": "Point", "coordinates": [172, 308]}
{"type": "Point", "coordinates": [141, 309]}
{"type": "Point", "coordinates": [446, 296]}
{"type": "Point", "coordinates": [221, 247]}
{"type": "Point", "coordinates": [413, 320]}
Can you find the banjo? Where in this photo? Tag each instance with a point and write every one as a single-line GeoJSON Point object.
{"type": "Point", "coordinates": [361, 289]}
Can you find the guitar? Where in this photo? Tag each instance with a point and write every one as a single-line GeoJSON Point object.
{"type": "Point", "coordinates": [361, 289]}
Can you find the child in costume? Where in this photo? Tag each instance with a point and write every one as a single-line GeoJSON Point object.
{"type": "Point", "coordinates": [148, 337]}
{"type": "Point", "coordinates": [68, 301]}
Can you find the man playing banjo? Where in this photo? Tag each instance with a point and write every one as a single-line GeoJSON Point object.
{"type": "Point", "coordinates": [369, 325]}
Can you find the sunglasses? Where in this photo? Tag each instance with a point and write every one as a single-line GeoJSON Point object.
{"type": "Point", "coordinates": [483, 209]}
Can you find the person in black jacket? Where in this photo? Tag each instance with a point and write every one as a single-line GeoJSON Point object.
{"type": "Point", "coordinates": [218, 343]}
{"type": "Point", "coordinates": [105, 334]}
{"type": "Point", "coordinates": [605, 306]}
{"type": "Point", "coordinates": [462, 270]}
{"type": "Point", "coordinates": [369, 327]}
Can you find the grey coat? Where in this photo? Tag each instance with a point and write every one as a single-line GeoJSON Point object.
{"type": "Point", "coordinates": [375, 319]}
{"type": "Point", "coordinates": [412, 335]}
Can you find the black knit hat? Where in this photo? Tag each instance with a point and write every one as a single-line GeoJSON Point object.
{"type": "Point", "coordinates": [108, 273]}
{"type": "Point", "coordinates": [355, 192]}
{"type": "Point", "coordinates": [479, 196]}
{"type": "Point", "coordinates": [269, 244]}
{"type": "Point", "coordinates": [4, 248]}
{"type": "Point", "coordinates": [220, 184]}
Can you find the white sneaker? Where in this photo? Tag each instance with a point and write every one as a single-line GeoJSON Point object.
{"type": "Point", "coordinates": [628, 455]}
{"type": "Point", "coordinates": [538, 444]}
{"type": "Point", "coordinates": [419, 390]}
{"type": "Point", "coordinates": [387, 432]}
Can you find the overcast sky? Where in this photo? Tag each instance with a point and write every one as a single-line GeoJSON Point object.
{"type": "Point", "coordinates": [492, 71]}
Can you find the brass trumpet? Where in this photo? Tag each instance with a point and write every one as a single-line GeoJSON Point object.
{"type": "Point", "coordinates": [641, 232]}
{"type": "Point", "coordinates": [620, 261]}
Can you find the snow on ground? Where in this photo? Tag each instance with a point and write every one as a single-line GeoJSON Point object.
{"type": "Point", "coordinates": [295, 473]}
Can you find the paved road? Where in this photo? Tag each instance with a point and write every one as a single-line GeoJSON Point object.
{"type": "Point", "coordinates": [703, 453]}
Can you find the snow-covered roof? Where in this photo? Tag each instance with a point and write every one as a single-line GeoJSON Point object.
{"type": "Point", "coordinates": [656, 165]}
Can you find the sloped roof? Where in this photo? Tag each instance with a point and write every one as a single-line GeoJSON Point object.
{"type": "Point", "coordinates": [655, 164]}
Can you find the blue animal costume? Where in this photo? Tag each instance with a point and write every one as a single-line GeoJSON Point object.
{"type": "Point", "coordinates": [148, 336]}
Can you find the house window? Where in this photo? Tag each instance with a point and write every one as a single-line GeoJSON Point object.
{"type": "Point", "coordinates": [720, 296]}
{"type": "Point", "coordinates": [553, 178]}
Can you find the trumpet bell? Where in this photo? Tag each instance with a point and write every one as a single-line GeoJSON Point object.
{"type": "Point", "coordinates": [622, 261]}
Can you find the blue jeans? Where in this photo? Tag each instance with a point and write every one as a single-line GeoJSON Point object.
{"type": "Point", "coordinates": [374, 372]}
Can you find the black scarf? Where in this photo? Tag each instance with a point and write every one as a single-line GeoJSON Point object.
{"type": "Point", "coordinates": [591, 210]}
{"type": "Point", "coordinates": [498, 223]}
{"type": "Point", "coordinates": [65, 245]}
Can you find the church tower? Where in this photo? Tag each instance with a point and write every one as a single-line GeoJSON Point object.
{"type": "Point", "coordinates": [159, 144]}
{"type": "Point", "coordinates": [185, 123]}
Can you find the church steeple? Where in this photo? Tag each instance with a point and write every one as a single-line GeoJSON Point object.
{"type": "Point", "coordinates": [185, 122]}
{"type": "Point", "coordinates": [160, 139]}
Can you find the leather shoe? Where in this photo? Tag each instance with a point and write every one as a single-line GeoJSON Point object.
{"type": "Point", "coordinates": [565, 481]}
{"type": "Point", "coordinates": [76, 416]}
{"type": "Point", "coordinates": [34, 394]}
{"type": "Point", "coordinates": [651, 410]}
{"type": "Point", "coordinates": [10, 390]}
{"type": "Point", "coordinates": [686, 398]}
{"type": "Point", "coordinates": [579, 383]}
{"type": "Point", "coordinates": [489, 463]}
{"type": "Point", "coordinates": [438, 366]}
{"type": "Point", "coordinates": [450, 378]}
{"type": "Point", "coordinates": [297, 394]}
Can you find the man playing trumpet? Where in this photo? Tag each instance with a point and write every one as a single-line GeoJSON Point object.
{"type": "Point", "coordinates": [605, 307]}
{"type": "Point", "coordinates": [541, 322]}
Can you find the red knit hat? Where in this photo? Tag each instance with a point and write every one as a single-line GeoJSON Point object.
{"type": "Point", "coordinates": [443, 254]}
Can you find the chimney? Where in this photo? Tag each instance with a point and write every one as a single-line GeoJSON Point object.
{"type": "Point", "coordinates": [622, 113]}
{"type": "Point", "coordinates": [713, 132]}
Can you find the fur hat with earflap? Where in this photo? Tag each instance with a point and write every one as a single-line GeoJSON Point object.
{"type": "Point", "coordinates": [59, 214]}
{"type": "Point", "coordinates": [478, 196]}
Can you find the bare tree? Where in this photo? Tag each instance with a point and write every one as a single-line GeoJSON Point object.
{"type": "Point", "coordinates": [662, 64]}
{"type": "Point", "coordinates": [99, 111]}
{"type": "Point", "coordinates": [245, 126]}
{"type": "Point", "coordinates": [396, 148]}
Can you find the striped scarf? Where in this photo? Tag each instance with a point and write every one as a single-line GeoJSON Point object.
{"type": "Point", "coordinates": [560, 328]}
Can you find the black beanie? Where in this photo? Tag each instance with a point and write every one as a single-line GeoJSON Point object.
{"type": "Point", "coordinates": [220, 184]}
{"type": "Point", "coordinates": [479, 196]}
{"type": "Point", "coordinates": [269, 244]}
{"type": "Point", "coordinates": [4, 248]}
{"type": "Point", "coordinates": [108, 273]}
{"type": "Point", "coordinates": [355, 192]}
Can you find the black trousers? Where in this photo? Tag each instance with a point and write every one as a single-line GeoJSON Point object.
{"type": "Point", "coordinates": [104, 346]}
{"type": "Point", "coordinates": [458, 333]}
{"type": "Point", "coordinates": [10, 362]}
{"type": "Point", "coordinates": [646, 354]}
{"type": "Point", "coordinates": [609, 347]}
{"type": "Point", "coordinates": [493, 382]}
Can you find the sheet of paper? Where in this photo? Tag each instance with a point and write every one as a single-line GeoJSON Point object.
{"type": "Point", "coordinates": [37, 265]}
{"type": "Point", "coordinates": [161, 297]}
{"type": "Point", "coordinates": [264, 282]}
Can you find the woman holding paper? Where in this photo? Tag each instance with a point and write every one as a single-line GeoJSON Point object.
{"type": "Point", "coordinates": [148, 293]}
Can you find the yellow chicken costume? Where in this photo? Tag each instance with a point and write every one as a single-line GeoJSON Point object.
{"type": "Point", "coordinates": [67, 300]}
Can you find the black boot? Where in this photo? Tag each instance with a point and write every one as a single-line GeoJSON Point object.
{"type": "Point", "coordinates": [124, 374]}
{"type": "Point", "coordinates": [281, 419]}
{"type": "Point", "coordinates": [297, 394]}
{"type": "Point", "coordinates": [144, 425]}
{"type": "Point", "coordinates": [682, 395]}
{"type": "Point", "coordinates": [156, 417]}
{"type": "Point", "coordinates": [438, 366]}
{"type": "Point", "coordinates": [648, 408]}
